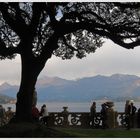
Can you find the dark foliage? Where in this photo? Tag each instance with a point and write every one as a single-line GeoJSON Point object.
{"type": "Point", "coordinates": [66, 29]}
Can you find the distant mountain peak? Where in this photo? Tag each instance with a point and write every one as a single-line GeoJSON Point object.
{"type": "Point", "coordinates": [49, 81]}
{"type": "Point", "coordinates": [83, 89]}
{"type": "Point", "coordinates": [118, 75]}
{"type": "Point", "coordinates": [124, 76]}
{"type": "Point", "coordinates": [5, 84]}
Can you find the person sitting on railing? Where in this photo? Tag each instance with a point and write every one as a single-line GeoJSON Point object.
{"type": "Point", "coordinates": [93, 112]}
{"type": "Point", "coordinates": [35, 113]}
{"type": "Point", "coordinates": [44, 114]}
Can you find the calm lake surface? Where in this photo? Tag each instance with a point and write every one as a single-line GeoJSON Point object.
{"type": "Point", "coordinates": [75, 107]}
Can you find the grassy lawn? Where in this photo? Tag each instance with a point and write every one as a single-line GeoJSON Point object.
{"type": "Point", "coordinates": [28, 130]}
{"type": "Point", "coordinates": [99, 133]}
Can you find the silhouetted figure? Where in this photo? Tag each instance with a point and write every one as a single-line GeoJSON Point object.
{"type": "Point", "coordinates": [2, 115]}
{"type": "Point", "coordinates": [35, 114]}
{"type": "Point", "coordinates": [126, 112]}
{"type": "Point", "coordinates": [44, 114]}
{"type": "Point", "coordinates": [138, 118]}
{"type": "Point", "coordinates": [126, 106]}
{"type": "Point", "coordinates": [130, 115]}
{"type": "Point", "coordinates": [93, 112]}
{"type": "Point", "coordinates": [133, 114]}
{"type": "Point", "coordinates": [9, 114]}
{"type": "Point", "coordinates": [104, 115]}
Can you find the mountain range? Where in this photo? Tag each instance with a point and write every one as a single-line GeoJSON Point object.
{"type": "Point", "coordinates": [116, 87]}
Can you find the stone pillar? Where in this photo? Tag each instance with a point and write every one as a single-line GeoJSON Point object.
{"type": "Point", "coordinates": [51, 120]}
{"type": "Point", "coordinates": [65, 116]}
{"type": "Point", "coordinates": [111, 115]}
{"type": "Point", "coordinates": [85, 120]}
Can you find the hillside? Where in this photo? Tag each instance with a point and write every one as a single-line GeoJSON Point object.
{"type": "Point", "coordinates": [5, 99]}
{"type": "Point", "coordinates": [114, 87]}
{"type": "Point", "coordinates": [117, 87]}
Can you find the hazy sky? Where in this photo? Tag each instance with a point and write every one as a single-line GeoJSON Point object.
{"type": "Point", "coordinates": [107, 60]}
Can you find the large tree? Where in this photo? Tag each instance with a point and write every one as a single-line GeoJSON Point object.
{"type": "Point", "coordinates": [36, 31]}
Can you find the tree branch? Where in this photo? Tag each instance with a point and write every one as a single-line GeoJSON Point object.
{"type": "Point", "coordinates": [97, 29]}
{"type": "Point", "coordinates": [51, 11]}
{"type": "Point", "coordinates": [124, 5]}
{"type": "Point", "coordinates": [16, 24]}
{"type": "Point", "coordinates": [37, 10]}
{"type": "Point", "coordinates": [49, 47]}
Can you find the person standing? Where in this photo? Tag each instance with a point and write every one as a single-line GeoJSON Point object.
{"type": "Point", "coordinates": [35, 114]}
{"type": "Point", "coordinates": [104, 115]}
{"type": "Point", "coordinates": [44, 114]}
{"type": "Point", "coordinates": [131, 115]}
{"type": "Point", "coordinates": [93, 112]}
{"type": "Point", "coordinates": [126, 106]}
{"type": "Point", "coordinates": [9, 114]}
{"type": "Point", "coordinates": [138, 118]}
{"type": "Point", "coordinates": [127, 112]}
{"type": "Point", "coordinates": [2, 115]}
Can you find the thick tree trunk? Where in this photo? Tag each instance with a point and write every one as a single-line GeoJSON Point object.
{"type": "Point", "coordinates": [30, 72]}
{"type": "Point", "coordinates": [24, 98]}
{"type": "Point", "coordinates": [31, 68]}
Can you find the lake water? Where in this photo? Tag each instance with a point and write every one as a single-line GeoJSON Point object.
{"type": "Point", "coordinates": [75, 107]}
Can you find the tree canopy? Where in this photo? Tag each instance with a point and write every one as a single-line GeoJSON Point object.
{"type": "Point", "coordinates": [74, 28]}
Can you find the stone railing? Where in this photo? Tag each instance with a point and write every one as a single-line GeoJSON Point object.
{"type": "Point", "coordinates": [83, 119]}
{"type": "Point", "coordinates": [80, 119]}
{"type": "Point", "coordinates": [6, 118]}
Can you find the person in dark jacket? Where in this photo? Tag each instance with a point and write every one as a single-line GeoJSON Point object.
{"type": "Point", "coordinates": [131, 115]}
{"type": "Point", "coordinates": [104, 115]}
{"type": "Point", "coordinates": [138, 118]}
{"type": "Point", "coordinates": [93, 112]}
{"type": "Point", "coordinates": [2, 115]}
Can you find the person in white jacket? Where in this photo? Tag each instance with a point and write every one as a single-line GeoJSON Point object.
{"type": "Point", "coordinates": [44, 114]}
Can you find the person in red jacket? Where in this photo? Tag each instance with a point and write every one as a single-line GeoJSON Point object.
{"type": "Point", "coordinates": [35, 113]}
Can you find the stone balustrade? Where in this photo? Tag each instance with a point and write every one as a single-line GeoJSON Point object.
{"type": "Point", "coordinates": [83, 119]}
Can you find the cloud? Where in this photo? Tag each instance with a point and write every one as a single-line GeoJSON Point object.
{"type": "Point", "coordinates": [107, 60]}
{"type": "Point", "coordinates": [10, 70]}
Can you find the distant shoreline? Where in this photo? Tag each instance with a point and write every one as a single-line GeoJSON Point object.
{"type": "Point", "coordinates": [97, 100]}
{"type": "Point", "coordinates": [75, 106]}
